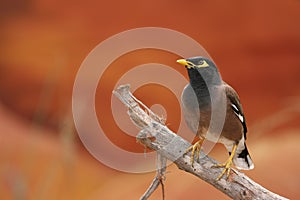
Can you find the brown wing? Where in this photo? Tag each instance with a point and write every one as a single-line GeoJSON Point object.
{"type": "Point", "coordinates": [236, 105]}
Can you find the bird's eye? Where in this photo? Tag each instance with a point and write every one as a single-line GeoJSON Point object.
{"type": "Point", "coordinates": [201, 62]}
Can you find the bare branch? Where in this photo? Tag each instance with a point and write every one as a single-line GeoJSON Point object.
{"type": "Point", "coordinates": [158, 179]}
{"type": "Point", "coordinates": [172, 147]}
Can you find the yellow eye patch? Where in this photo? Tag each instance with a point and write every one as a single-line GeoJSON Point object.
{"type": "Point", "coordinates": [202, 63]}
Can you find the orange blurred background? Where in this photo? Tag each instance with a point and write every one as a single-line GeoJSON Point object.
{"type": "Point", "coordinates": [256, 46]}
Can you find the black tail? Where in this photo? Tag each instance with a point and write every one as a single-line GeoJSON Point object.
{"type": "Point", "coordinates": [242, 159]}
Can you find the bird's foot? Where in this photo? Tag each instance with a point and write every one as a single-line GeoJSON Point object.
{"type": "Point", "coordinates": [227, 165]}
{"type": "Point", "coordinates": [226, 170]}
{"type": "Point", "coordinates": [195, 150]}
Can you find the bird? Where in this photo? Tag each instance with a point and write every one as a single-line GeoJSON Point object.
{"type": "Point", "coordinates": [199, 96]}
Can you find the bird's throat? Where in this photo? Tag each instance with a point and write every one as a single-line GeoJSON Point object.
{"type": "Point", "coordinates": [202, 93]}
{"type": "Point", "coordinates": [199, 85]}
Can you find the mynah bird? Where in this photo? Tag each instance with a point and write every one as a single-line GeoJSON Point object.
{"type": "Point", "coordinates": [203, 88]}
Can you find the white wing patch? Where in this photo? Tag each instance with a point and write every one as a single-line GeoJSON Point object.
{"type": "Point", "coordinates": [234, 108]}
{"type": "Point", "coordinates": [237, 112]}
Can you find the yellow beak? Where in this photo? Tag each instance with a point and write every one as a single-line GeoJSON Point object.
{"type": "Point", "coordinates": [182, 61]}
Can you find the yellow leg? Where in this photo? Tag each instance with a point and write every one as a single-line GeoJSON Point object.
{"type": "Point", "coordinates": [195, 150]}
{"type": "Point", "coordinates": [227, 164]}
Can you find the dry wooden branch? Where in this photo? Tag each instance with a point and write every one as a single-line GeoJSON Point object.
{"type": "Point", "coordinates": [172, 147]}
{"type": "Point", "coordinates": [158, 179]}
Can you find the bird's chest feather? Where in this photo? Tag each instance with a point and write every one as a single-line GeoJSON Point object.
{"type": "Point", "coordinates": [198, 111]}
{"type": "Point", "coordinates": [191, 108]}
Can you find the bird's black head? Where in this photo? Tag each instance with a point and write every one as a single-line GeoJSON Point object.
{"type": "Point", "coordinates": [201, 69]}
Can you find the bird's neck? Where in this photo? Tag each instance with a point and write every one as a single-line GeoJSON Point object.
{"type": "Point", "coordinates": [201, 90]}
{"type": "Point", "coordinates": [202, 87]}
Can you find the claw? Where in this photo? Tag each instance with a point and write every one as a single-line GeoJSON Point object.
{"type": "Point", "coordinates": [226, 170]}
{"type": "Point", "coordinates": [226, 165]}
{"type": "Point", "coordinates": [195, 150]}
